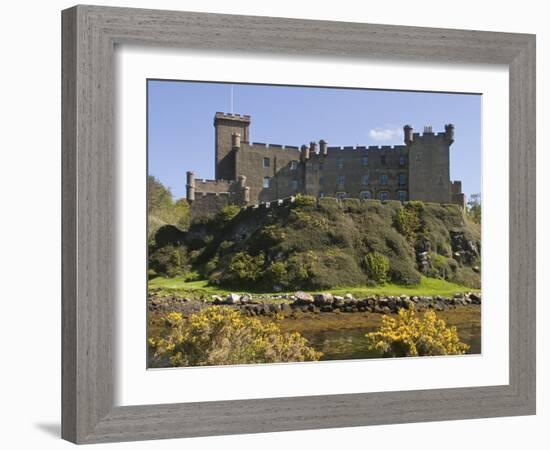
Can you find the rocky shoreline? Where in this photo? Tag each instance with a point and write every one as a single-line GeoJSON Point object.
{"type": "Point", "coordinates": [268, 305]}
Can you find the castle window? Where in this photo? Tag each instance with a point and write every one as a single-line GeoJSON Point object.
{"type": "Point", "coordinates": [266, 162]}
{"type": "Point", "coordinates": [418, 156]}
{"type": "Point", "coordinates": [341, 195]}
{"type": "Point", "coordinates": [383, 160]}
{"type": "Point", "coordinates": [321, 180]}
{"type": "Point", "coordinates": [266, 182]}
{"type": "Point", "coordinates": [365, 179]}
{"type": "Point", "coordinates": [341, 180]}
{"type": "Point", "coordinates": [365, 160]}
{"type": "Point", "coordinates": [402, 196]}
{"type": "Point", "coordinates": [365, 195]}
{"type": "Point", "coordinates": [383, 179]}
{"type": "Point", "coordinates": [383, 196]}
{"type": "Point", "coordinates": [402, 160]}
{"type": "Point", "coordinates": [340, 163]}
{"type": "Point", "coordinates": [321, 165]}
{"type": "Point", "coordinates": [293, 165]}
{"type": "Point", "coordinates": [402, 179]}
{"type": "Point", "coordinates": [295, 185]}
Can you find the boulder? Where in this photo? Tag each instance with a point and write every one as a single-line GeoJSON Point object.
{"type": "Point", "coordinates": [325, 298]}
{"type": "Point", "coordinates": [475, 298]}
{"type": "Point", "coordinates": [217, 299]}
{"type": "Point", "coordinates": [233, 299]}
{"type": "Point", "coordinates": [348, 296]}
{"type": "Point", "coordinates": [303, 298]}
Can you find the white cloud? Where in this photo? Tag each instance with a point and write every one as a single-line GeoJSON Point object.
{"type": "Point", "coordinates": [385, 134]}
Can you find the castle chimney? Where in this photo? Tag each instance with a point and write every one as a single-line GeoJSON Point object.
{"type": "Point", "coordinates": [428, 129]}
{"type": "Point", "coordinates": [190, 187]}
{"type": "Point", "coordinates": [323, 150]}
{"type": "Point", "coordinates": [408, 131]}
{"type": "Point", "coordinates": [236, 140]}
{"type": "Point", "coordinates": [242, 181]}
{"type": "Point", "coordinates": [305, 153]}
{"type": "Point", "coordinates": [450, 133]}
{"type": "Point", "coordinates": [246, 195]}
{"type": "Point", "coordinates": [312, 148]}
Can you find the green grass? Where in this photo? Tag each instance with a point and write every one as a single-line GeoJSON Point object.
{"type": "Point", "coordinates": [201, 288]}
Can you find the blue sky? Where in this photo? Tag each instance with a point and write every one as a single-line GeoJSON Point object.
{"type": "Point", "coordinates": [181, 131]}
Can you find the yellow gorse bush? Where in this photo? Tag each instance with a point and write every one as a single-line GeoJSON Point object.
{"type": "Point", "coordinates": [220, 335]}
{"type": "Point", "coordinates": [412, 335]}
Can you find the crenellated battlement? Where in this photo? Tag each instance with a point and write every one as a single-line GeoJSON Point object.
{"type": "Point", "coordinates": [268, 145]}
{"type": "Point", "coordinates": [367, 148]}
{"type": "Point", "coordinates": [231, 116]}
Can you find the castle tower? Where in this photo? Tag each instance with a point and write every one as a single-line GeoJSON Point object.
{"type": "Point", "coordinates": [230, 130]}
{"type": "Point", "coordinates": [190, 186]}
{"type": "Point", "coordinates": [429, 162]}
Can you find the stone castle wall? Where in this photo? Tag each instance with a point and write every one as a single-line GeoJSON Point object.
{"type": "Point", "coordinates": [253, 172]}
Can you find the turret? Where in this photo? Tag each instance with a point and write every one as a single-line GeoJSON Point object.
{"type": "Point", "coordinates": [408, 132]}
{"type": "Point", "coordinates": [312, 148]}
{"type": "Point", "coordinates": [323, 149]}
{"type": "Point", "coordinates": [450, 133]}
{"type": "Point", "coordinates": [304, 153]}
{"type": "Point", "coordinates": [190, 187]}
{"type": "Point", "coordinates": [236, 141]}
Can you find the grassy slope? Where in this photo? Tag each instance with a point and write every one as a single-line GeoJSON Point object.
{"type": "Point", "coordinates": [426, 287]}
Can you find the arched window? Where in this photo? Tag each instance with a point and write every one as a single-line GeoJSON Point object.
{"type": "Point", "coordinates": [402, 179]}
{"type": "Point", "coordinates": [266, 182]}
{"type": "Point", "coordinates": [365, 179]}
{"type": "Point", "coordinates": [365, 195]}
{"type": "Point", "coordinates": [402, 160]}
{"type": "Point", "coordinates": [402, 196]}
{"type": "Point", "coordinates": [383, 179]}
{"type": "Point", "coordinates": [341, 180]}
{"type": "Point", "coordinates": [383, 196]}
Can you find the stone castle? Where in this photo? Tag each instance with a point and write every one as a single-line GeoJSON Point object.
{"type": "Point", "coordinates": [249, 173]}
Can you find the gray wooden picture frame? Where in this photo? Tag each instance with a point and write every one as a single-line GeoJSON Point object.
{"type": "Point", "coordinates": [90, 34]}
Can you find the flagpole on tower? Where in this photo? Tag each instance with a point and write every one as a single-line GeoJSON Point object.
{"type": "Point", "coordinates": [231, 99]}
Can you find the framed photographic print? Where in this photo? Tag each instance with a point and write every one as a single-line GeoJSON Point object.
{"type": "Point", "coordinates": [265, 229]}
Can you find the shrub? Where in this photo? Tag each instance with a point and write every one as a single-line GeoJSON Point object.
{"type": "Point", "coordinates": [403, 272]}
{"type": "Point", "coordinates": [169, 261]}
{"type": "Point", "coordinates": [410, 335]}
{"type": "Point", "coordinates": [304, 200]}
{"type": "Point", "coordinates": [407, 219]}
{"type": "Point", "coordinates": [220, 335]}
{"type": "Point", "coordinates": [227, 213]}
{"type": "Point", "coordinates": [377, 266]}
{"type": "Point", "coordinates": [276, 275]}
{"type": "Point", "coordinates": [244, 268]}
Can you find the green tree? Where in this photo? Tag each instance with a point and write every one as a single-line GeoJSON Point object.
{"type": "Point", "coordinates": [161, 208]}
{"type": "Point", "coordinates": [473, 208]}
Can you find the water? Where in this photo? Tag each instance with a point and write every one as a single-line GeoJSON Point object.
{"type": "Point", "coordinates": [352, 343]}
